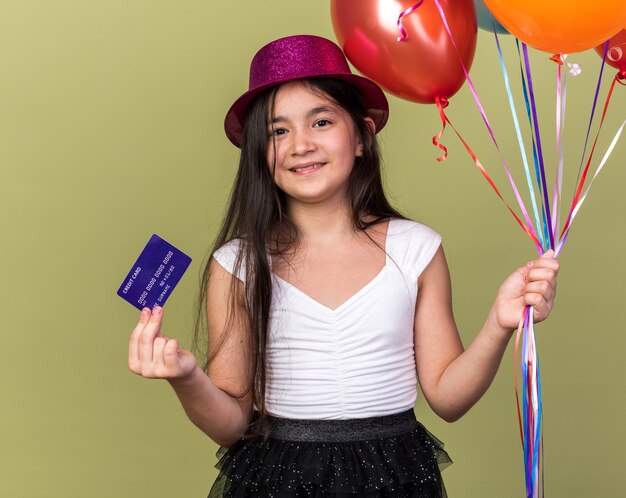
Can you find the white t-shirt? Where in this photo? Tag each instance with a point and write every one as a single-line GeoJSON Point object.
{"type": "Point", "coordinates": [357, 360]}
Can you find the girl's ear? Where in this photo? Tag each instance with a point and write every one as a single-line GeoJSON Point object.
{"type": "Point", "coordinates": [359, 148]}
{"type": "Point", "coordinates": [370, 123]}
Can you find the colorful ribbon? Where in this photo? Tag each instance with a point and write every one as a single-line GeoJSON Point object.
{"type": "Point", "coordinates": [593, 110]}
{"type": "Point", "coordinates": [561, 93]}
{"type": "Point", "coordinates": [520, 140]}
{"type": "Point", "coordinates": [402, 15]}
{"type": "Point", "coordinates": [530, 414]}
{"type": "Point", "coordinates": [482, 169]}
{"type": "Point", "coordinates": [577, 195]}
{"type": "Point", "coordinates": [535, 128]}
{"type": "Point", "coordinates": [574, 68]}
{"type": "Point", "coordinates": [547, 235]}
{"type": "Point", "coordinates": [527, 225]}
{"type": "Point", "coordinates": [441, 103]}
{"type": "Point", "coordinates": [544, 227]}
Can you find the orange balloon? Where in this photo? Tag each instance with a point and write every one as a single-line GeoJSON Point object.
{"type": "Point", "coordinates": [616, 52]}
{"type": "Point", "coordinates": [560, 26]}
{"type": "Point", "coordinates": [423, 67]}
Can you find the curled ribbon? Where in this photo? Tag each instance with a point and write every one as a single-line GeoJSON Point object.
{"type": "Point", "coordinates": [401, 16]}
{"type": "Point", "coordinates": [483, 171]}
{"type": "Point", "coordinates": [621, 77]}
{"type": "Point", "coordinates": [574, 68]}
{"type": "Point", "coordinates": [442, 103]}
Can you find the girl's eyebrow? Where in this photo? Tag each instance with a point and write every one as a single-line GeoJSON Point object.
{"type": "Point", "coordinates": [313, 112]}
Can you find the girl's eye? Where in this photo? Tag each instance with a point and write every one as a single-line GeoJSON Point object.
{"type": "Point", "coordinates": [277, 131]}
{"type": "Point", "coordinates": [322, 122]}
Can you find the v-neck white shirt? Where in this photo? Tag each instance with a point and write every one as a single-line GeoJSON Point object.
{"type": "Point", "coordinates": [354, 361]}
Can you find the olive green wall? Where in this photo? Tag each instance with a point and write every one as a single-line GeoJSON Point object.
{"type": "Point", "coordinates": [111, 129]}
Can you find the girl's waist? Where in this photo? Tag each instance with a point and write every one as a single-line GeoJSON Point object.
{"type": "Point", "coordinates": [354, 429]}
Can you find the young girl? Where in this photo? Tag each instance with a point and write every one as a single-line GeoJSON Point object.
{"type": "Point", "coordinates": [324, 305]}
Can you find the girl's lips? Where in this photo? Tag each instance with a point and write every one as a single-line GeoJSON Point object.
{"type": "Point", "coordinates": [306, 169]}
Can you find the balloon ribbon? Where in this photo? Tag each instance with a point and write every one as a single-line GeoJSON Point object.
{"type": "Point", "coordinates": [577, 201]}
{"type": "Point", "coordinates": [442, 103]}
{"type": "Point", "coordinates": [520, 141]}
{"type": "Point", "coordinates": [402, 15]}
{"type": "Point", "coordinates": [531, 413]}
{"type": "Point", "coordinates": [482, 169]}
{"type": "Point", "coordinates": [527, 226]}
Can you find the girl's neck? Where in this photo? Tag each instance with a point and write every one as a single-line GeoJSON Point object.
{"type": "Point", "coordinates": [322, 221]}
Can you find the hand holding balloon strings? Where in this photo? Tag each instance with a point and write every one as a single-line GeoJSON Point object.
{"type": "Point", "coordinates": [558, 28]}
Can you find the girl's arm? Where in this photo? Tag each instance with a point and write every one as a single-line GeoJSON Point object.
{"type": "Point", "coordinates": [452, 379]}
{"type": "Point", "coordinates": [213, 402]}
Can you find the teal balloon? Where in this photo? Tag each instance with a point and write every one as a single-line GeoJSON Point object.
{"type": "Point", "coordinates": [486, 20]}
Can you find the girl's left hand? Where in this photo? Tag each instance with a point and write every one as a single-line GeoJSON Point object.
{"type": "Point", "coordinates": [533, 284]}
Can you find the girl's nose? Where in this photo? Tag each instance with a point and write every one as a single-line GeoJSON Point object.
{"type": "Point", "coordinates": [302, 142]}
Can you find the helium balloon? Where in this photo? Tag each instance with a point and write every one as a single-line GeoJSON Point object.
{"type": "Point", "coordinates": [486, 20]}
{"type": "Point", "coordinates": [560, 26]}
{"type": "Point", "coordinates": [616, 52]}
{"type": "Point", "coordinates": [425, 66]}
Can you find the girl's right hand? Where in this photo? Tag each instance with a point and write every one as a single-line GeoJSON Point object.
{"type": "Point", "coordinates": [156, 357]}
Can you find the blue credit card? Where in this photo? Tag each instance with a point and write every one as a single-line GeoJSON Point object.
{"type": "Point", "coordinates": [154, 275]}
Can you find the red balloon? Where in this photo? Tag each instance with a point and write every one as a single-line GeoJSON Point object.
{"type": "Point", "coordinates": [424, 66]}
{"type": "Point", "coordinates": [616, 53]}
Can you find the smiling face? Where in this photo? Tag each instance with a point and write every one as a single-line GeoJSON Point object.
{"type": "Point", "coordinates": [312, 146]}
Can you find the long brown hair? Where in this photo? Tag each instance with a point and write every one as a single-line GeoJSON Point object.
{"type": "Point", "coordinates": [257, 216]}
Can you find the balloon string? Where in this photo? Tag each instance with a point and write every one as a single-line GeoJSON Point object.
{"type": "Point", "coordinates": [621, 76]}
{"type": "Point", "coordinates": [542, 170]}
{"type": "Point", "coordinates": [534, 146]}
{"type": "Point", "coordinates": [528, 227]}
{"type": "Point", "coordinates": [543, 459]}
{"type": "Point", "coordinates": [442, 103]}
{"type": "Point", "coordinates": [593, 110]}
{"type": "Point", "coordinates": [574, 68]}
{"type": "Point", "coordinates": [520, 140]}
{"type": "Point", "coordinates": [584, 195]}
{"type": "Point", "coordinates": [482, 169]}
{"type": "Point", "coordinates": [518, 336]}
{"type": "Point", "coordinates": [530, 410]}
{"type": "Point", "coordinates": [401, 16]}
{"type": "Point", "coordinates": [526, 408]}
{"type": "Point", "coordinates": [537, 409]}
{"type": "Point", "coordinates": [586, 170]}
{"type": "Point", "coordinates": [561, 99]}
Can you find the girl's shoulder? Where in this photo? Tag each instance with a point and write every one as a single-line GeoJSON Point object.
{"type": "Point", "coordinates": [411, 245]}
{"type": "Point", "coordinates": [409, 229]}
{"type": "Point", "coordinates": [227, 255]}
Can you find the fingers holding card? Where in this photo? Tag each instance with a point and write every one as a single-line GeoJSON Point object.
{"type": "Point", "coordinates": [154, 356]}
{"type": "Point", "coordinates": [147, 286]}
